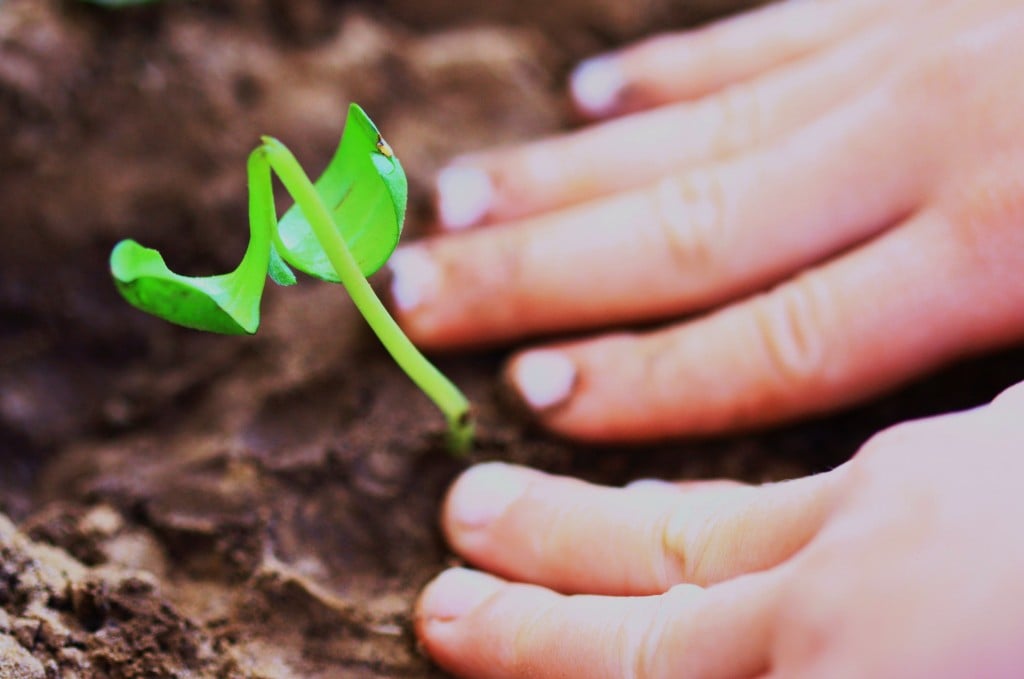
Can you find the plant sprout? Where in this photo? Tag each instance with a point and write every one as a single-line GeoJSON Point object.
{"type": "Point", "coordinates": [342, 228]}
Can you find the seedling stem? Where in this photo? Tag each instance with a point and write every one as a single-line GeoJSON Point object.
{"type": "Point", "coordinates": [452, 403]}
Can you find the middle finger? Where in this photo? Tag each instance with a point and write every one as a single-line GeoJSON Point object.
{"type": "Point", "coordinates": [691, 241]}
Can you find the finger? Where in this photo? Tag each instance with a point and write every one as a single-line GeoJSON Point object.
{"type": "Point", "coordinates": [691, 64]}
{"type": "Point", "coordinates": [921, 295]}
{"type": "Point", "coordinates": [475, 625]}
{"type": "Point", "coordinates": [631, 151]}
{"type": "Point", "coordinates": [691, 486]}
{"type": "Point", "coordinates": [576, 537]}
{"type": "Point", "coordinates": [690, 241]}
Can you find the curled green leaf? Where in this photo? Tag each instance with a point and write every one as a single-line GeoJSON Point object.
{"type": "Point", "coordinates": [365, 189]}
{"type": "Point", "coordinates": [227, 304]}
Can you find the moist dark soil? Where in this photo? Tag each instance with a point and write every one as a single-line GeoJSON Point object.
{"type": "Point", "coordinates": [177, 504]}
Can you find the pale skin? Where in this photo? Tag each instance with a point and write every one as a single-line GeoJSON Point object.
{"type": "Point", "coordinates": [905, 562]}
{"type": "Point", "coordinates": [841, 205]}
{"type": "Point", "coordinates": [816, 201]}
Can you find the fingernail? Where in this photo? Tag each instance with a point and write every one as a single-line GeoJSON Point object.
{"type": "Point", "coordinates": [484, 492]}
{"type": "Point", "coordinates": [456, 592]}
{"type": "Point", "coordinates": [464, 196]}
{"type": "Point", "coordinates": [544, 379]}
{"type": "Point", "coordinates": [415, 278]}
{"type": "Point", "coordinates": [652, 485]}
{"type": "Point", "coordinates": [597, 84]}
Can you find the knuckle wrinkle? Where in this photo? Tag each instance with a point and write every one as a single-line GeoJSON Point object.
{"type": "Point", "coordinates": [790, 326]}
{"type": "Point", "coordinates": [738, 118]}
{"type": "Point", "coordinates": [690, 210]}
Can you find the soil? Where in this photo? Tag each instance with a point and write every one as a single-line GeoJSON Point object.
{"type": "Point", "coordinates": [177, 504]}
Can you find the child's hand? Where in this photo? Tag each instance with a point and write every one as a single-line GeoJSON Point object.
{"type": "Point", "coordinates": [842, 182]}
{"type": "Point", "coordinates": [905, 562]}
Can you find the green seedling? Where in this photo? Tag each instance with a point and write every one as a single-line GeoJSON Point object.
{"type": "Point", "coordinates": [342, 228]}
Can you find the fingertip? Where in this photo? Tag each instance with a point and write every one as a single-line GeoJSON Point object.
{"type": "Point", "coordinates": [454, 594]}
{"type": "Point", "coordinates": [596, 85]}
{"type": "Point", "coordinates": [448, 599]}
{"type": "Point", "coordinates": [465, 195]}
{"type": "Point", "coordinates": [415, 278]}
{"type": "Point", "coordinates": [542, 379]}
{"type": "Point", "coordinates": [573, 390]}
{"type": "Point", "coordinates": [482, 494]}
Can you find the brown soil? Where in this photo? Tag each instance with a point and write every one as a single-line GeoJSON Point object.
{"type": "Point", "coordinates": [191, 505]}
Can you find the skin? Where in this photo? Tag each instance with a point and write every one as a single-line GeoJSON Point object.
{"type": "Point", "coordinates": [904, 562]}
{"type": "Point", "coordinates": [831, 194]}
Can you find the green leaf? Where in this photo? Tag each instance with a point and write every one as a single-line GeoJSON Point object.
{"type": "Point", "coordinates": [343, 228]}
{"type": "Point", "coordinates": [279, 271]}
{"type": "Point", "coordinates": [365, 189]}
{"type": "Point", "coordinates": [228, 304]}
